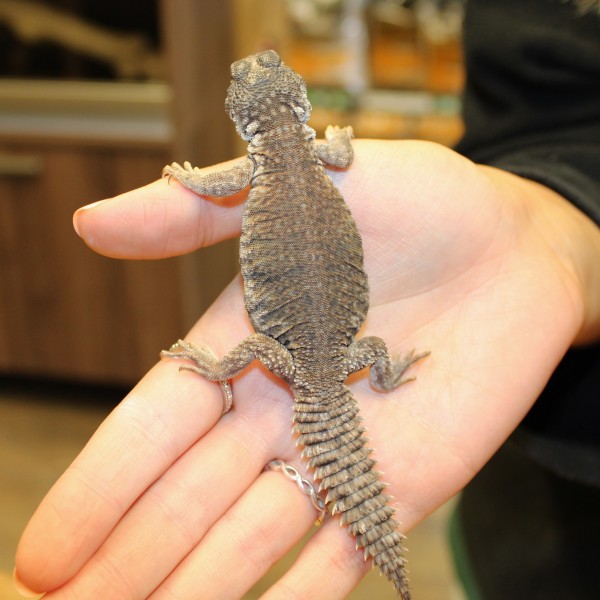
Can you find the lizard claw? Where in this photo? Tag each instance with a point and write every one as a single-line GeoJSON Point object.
{"type": "Point", "coordinates": [400, 364]}
{"type": "Point", "coordinates": [187, 165]}
{"type": "Point", "coordinates": [389, 375]}
{"type": "Point", "coordinates": [204, 362]}
{"type": "Point", "coordinates": [201, 355]}
{"type": "Point", "coordinates": [183, 173]}
{"type": "Point", "coordinates": [170, 170]}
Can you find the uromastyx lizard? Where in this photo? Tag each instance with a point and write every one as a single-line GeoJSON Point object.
{"type": "Point", "coordinates": [306, 293]}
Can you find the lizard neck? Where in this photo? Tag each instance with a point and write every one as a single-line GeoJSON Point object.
{"type": "Point", "coordinates": [282, 139]}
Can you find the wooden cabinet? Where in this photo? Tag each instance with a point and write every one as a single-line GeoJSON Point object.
{"type": "Point", "coordinates": [65, 311]}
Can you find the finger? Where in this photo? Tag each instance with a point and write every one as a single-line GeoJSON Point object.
{"type": "Point", "coordinates": [131, 449]}
{"type": "Point", "coordinates": [258, 530]}
{"type": "Point", "coordinates": [328, 568]}
{"type": "Point", "coordinates": [160, 419]}
{"type": "Point", "coordinates": [159, 220]}
{"type": "Point", "coordinates": [175, 513]}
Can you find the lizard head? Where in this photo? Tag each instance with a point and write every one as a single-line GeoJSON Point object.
{"type": "Point", "coordinates": [261, 89]}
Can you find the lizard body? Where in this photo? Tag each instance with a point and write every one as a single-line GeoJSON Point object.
{"type": "Point", "coordinates": [306, 293]}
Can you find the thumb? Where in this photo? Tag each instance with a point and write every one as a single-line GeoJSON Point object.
{"type": "Point", "coordinates": [159, 220]}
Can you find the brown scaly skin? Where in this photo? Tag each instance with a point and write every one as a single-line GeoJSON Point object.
{"type": "Point", "coordinates": [306, 293]}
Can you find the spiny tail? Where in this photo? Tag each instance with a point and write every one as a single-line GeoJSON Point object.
{"type": "Point", "coordinates": [335, 446]}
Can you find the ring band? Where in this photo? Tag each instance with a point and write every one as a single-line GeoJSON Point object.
{"type": "Point", "coordinates": [227, 395]}
{"type": "Point", "coordinates": [306, 487]}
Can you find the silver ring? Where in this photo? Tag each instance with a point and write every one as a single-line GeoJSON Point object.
{"type": "Point", "coordinates": [227, 395]}
{"type": "Point", "coordinates": [305, 486]}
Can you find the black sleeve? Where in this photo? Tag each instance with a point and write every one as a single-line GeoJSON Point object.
{"type": "Point", "coordinates": [532, 107]}
{"type": "Point", "coordinates": [532, 96]}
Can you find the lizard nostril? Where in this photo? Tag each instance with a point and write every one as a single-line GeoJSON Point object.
{"type": "Point", "coordinates": [239, 69]}
{"type": "Point", "coordinates": [268, 58]}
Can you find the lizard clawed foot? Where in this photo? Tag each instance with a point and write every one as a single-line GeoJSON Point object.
{"type": "Point", "coordinates": [205, 364]}
{"type": "Point", "coordinates": [204, 358]}
{"type": "Point", "coordinates": [400, 364]}
{"type": "Point", "coordinates": [183, 173]}
{"type": "Point", "coordinates": [337, 151]}
{"type": "Point", "coordinates": [390, 376]}
{"type": "Point", "coordinates": [333, 131]}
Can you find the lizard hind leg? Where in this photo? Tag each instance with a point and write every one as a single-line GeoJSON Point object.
{"type": "Point", "coordinates": [268, 351]}
{"type": "Point", "coordinates": [387, 373]}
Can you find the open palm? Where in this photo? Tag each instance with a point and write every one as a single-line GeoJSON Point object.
{"type": "Point", "coordinates": [170, 500]}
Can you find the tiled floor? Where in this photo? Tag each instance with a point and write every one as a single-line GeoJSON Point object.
{"type": "Point", "coordinates": [42, 427]}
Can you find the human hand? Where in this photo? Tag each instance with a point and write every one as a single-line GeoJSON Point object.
{"type": "Point", "coordinates": [490, 272]}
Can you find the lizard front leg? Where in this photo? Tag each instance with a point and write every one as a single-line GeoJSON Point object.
{"type": "Point", "coordinates": [386, 372]}
{"type": "Point", "coordinates": [214, 183]}
{"type": "Point", "coordinates": [337, 151]}
{"type": "Point", "coordinates": [268, 351]}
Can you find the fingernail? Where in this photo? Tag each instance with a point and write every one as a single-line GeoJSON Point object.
{"type": "Point", "coordinates": [80, 210]}
{"type": "Point", "coordinates": [76, 223]}
{"type": "Point", "coordinates": [21, 588]}
{"type": "Point", "coordinates": [92, 205]}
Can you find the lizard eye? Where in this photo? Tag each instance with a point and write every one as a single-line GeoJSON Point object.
{"type": "Point", "coordinates": [269, 59]}
{"type": "Point", "coordinates": [240, 68]}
